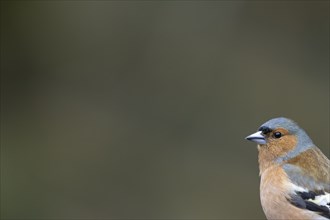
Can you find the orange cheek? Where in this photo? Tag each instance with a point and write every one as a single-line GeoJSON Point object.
{"type": "Point", "coordinates": [283, 145]}
{"type": "Point", "coordinates": [288, 142]}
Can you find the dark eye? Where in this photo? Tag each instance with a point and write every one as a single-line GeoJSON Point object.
{"type": "Point", "coordinates": [277, 134]}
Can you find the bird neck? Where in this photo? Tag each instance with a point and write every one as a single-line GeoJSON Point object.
{"type": "Point", "coordinates": [266, 159]}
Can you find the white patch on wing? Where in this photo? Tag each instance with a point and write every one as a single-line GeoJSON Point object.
{"type": "Point", "coordinates": [323, 200]}
{"type": "Point", "coordinates": [296, 188]}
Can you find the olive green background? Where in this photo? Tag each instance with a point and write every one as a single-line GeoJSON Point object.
{"type": "Point", "coordinates": [139, 109]}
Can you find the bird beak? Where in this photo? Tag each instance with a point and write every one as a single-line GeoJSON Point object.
{"type": "Point", "coordinates": [257, 137]}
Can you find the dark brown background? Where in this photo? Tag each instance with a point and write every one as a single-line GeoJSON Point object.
{"type": "Point", "coordinates": [124, 109]}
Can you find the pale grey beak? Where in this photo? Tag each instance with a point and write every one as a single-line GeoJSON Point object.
{"type": "Point", "coordinates": [257, 137]}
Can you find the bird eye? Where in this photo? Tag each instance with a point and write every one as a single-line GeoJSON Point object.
{"type": "Point", "coordinates": [277, 134]}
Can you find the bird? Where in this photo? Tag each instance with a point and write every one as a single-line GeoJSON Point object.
{"type": "Point", "coordinates": [294, 173]}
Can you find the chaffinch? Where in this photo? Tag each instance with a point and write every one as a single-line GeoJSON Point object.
{"type": "Point", "coordinates": [295, 174]}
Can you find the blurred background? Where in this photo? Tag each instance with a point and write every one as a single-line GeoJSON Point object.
{"type": "Point", "coordinates": [139, 110]}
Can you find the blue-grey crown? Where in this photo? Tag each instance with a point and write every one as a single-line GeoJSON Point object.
{"type": "Point", "coordinates": [282, 122]}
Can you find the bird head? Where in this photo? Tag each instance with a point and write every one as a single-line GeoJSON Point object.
{"type": "Point", "coordinates": [282, 138]}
